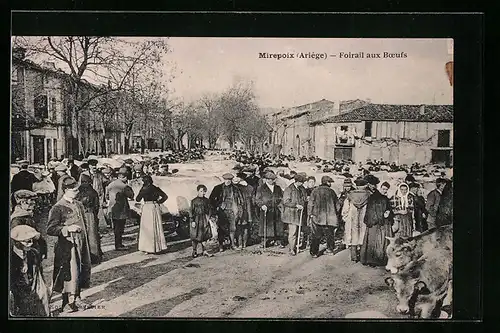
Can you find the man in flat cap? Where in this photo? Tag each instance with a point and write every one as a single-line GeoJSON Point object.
{"type": "Point", "coordinates": [28, 290]}
{"type": "Point", "coordinates": [294, 200]}
{"type": "Point", "coordinates": [444, 213]}
{"type": "Point", "coordinates": [227, 201]}
{"type": "Point", "coordinates": [23, 215]}
{"type": "Point", "coordinates": [269, 198]}
{"type": "Point", "coordinates": [72, 263]}
{"type": "Point", "coordinates": [117, 194]}
{"type": "Point", "coordinates": [353, 213]}
{"type": "Point", "coordinates": [378, 220]}
{"type": "Point", "coordinates": [62, 174]}
{"type": "Point", "coordinates": [323, 214]}
{"type": "Point", "coordinates": [433, 199]}
{"type": "Point", "coordinates": [23, 180]}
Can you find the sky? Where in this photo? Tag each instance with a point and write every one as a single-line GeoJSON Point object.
{"type": "Point", "coordinates": [211, 64]}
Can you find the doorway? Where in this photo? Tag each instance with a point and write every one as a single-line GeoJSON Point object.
{"type": "Point", "coordinates": [38, 149]}
{"type": "Point", "coordinates": [297, 144]}
{"type": "Point", "coordinates": [342, 153]}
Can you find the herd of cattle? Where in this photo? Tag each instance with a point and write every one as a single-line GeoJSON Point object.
{"type": "Point", "coordinates": [422, 273]}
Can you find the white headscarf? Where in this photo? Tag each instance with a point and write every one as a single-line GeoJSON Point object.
{"type": "Point", "coordinates": [403, 199]}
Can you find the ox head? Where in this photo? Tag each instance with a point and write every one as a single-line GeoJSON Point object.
{"type": "Point", "coordinates": [407, 291]}
{"type": "Point", "coordinates": [399, 253]}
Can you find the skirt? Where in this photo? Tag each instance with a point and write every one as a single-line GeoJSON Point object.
{"type": "Point", "coordinates": [94, 238]}
{"type": "Point", "coordinates": [374, 245]}
{"type": "Point", "coordinates": [151, 237]}
{"type": "Point", "coordinates": [405, 223]}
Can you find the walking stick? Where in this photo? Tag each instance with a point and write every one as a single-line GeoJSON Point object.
{"type": "Point", "coordinates": [300, 226]}
{"type": "Point", "coordinates": [265, 228]}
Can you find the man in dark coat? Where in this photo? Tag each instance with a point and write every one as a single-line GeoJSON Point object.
{"type": "Point", "coordinates": [432, 203]}
{"type": "Point", "coordinates": [23, 180]}
{"type": "Point", "coordinates": [71, 252]}
{"type": "Point", "coordinates": [246, 219]}
{"type": "Point", "coordinates": [418, 208]}
{"type": "Point", "coordinates": [378, 220]}
{"type": "Point", "coordinates": [74, 170]}
{"type": "Point", "coordinates": [227, 201]}
{"type": "Point", "coordinates": [268, 198]}
{"type": "Point", "coordinates": [294, 200]}
{"type": "Point", "coordinates": [117, 194]}
{"type": "Point", "coordinates": [323, 214]}
{"type": "Point", "coordinates": [444, 214]}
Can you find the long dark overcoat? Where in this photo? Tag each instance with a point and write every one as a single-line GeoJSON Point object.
{"type": "Point", "coordinates": [273, 200]}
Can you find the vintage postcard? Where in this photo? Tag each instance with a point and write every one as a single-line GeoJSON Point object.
{"type": "Point", "coordinates": [190, 177]}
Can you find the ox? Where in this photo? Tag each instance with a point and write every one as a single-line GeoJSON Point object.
{"type": "Point", "coordinates": [403, 251]}
{"type": "Point", "coordinates": [423, 287]}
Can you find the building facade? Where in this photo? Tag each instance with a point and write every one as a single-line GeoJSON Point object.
{"type": "Point", "coordinates": [402, 134]}
{"type": "Point", "coordinates": [39, 122]}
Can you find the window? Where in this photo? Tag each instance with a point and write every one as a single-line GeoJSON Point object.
{"type": "Point", "coordinates": [53, 109]}
{"type": "Point", "coordinates": [41, 107]}
{"type": "Point", "coordinates": [368, 128]}
{"type": "Point", "coordinates": [343, 128]}
{"type": "Point", "coordinates": [443, 138]}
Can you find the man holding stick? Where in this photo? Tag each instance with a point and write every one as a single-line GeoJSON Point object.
{"type": "Point", "coordinates": [294, 199]}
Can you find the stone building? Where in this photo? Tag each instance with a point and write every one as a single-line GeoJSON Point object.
{"type": "Point", "coordinates": [403, 134]}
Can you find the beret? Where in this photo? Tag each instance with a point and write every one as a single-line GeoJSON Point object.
{"type": "Point", "coordinates": [227, 176]}
{"type": "Point", "coordinates": [24, 194]}
{"type": "Point", "coordinates": [23, 232]}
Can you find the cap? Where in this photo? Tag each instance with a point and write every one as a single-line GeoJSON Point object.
{"type": "Point", "coordinates": [24, 194]}
{"type": "Point", "coordinates": [300, 178]}
{"type": "Point", "coordinates": [348, 181]}
{"type": "Point", "coordinates": [84, 165]}
{"type": "Point", "coordinates": [23, 232]}
{"type": "Point", "coordinates": [69, 183]}
{"type": "Point", "coordinates": [371, 179]}
{"type": "Point", "coordinates": [413, 185]}
{"type": "Point", "coordinates": [61, 167]}
{"type": "Point", "coordinates": [107, 171]}
{"type": "Point", "coordinates": [85, 179]}
{"type": "Point", "coordinates": [93, 162]}
{"type": "Point", "coordinates": [227, 176]}
{"type": "Point", "coordinates": [360, 182]}
{"type": "Point", "coordinates": [326, 179]}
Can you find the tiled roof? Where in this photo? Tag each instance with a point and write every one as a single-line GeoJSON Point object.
{"type": "Point", "coordinates": [389, 112]}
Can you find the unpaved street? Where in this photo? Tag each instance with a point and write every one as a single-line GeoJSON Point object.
{"type": "Point", "coordinates": [244, 284]}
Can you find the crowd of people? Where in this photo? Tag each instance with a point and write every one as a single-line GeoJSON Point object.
{"type": "Point", "coordinates": [298, 216]}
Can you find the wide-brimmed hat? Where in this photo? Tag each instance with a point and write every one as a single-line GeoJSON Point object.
{"type": "Point", "coordinates": [24, 194]}
{"type": "Point", "coordinates": [360, 181]}
{"type": "Point", "coordinates": [227, 176]}
{"type": "Point", "coordinates": [23, 233]}
{"type": "Point", "coordinates": [371, 179]}
{"type": "Point", "coordinates": [326, 179]}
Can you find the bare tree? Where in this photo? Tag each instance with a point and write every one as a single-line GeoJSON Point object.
{"type": "Point", "coordinates": [103, 58]}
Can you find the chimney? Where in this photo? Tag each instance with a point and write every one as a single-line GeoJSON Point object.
{"type": "Point", "coordinates": [422, 110]}
{"type": "Point", "coordinates": [19, 53]}
{"type": "Point", "coordinates": [336, 107]}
